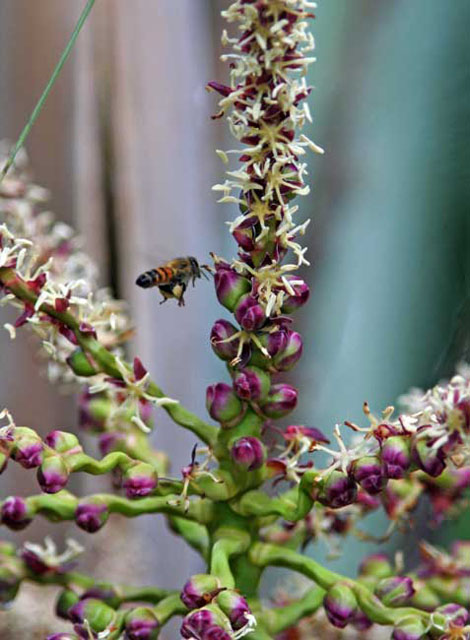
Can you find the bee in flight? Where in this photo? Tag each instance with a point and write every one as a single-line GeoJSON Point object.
{"type": "Point", "coordinates": [173, 277]}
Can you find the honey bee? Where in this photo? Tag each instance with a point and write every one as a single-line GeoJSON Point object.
{"type": "Point", "coordinates": [173, 277]}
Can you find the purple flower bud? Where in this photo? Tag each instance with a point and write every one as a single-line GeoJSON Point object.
{"type": "Point", "coordinates": [249, 313]}
{"type": "Point", "coordinates": [293, 302]}
{"type": "Point", "coordinates": [338, 489]}
{"type": "Point", "coordinates": [281, 400]}
{"type": "Point", "coordinates": [340, 605]}
{"type": "Point", "coordinates": [221, 333]}
{"type": "Point", "coordinates": [377, 565]}
{"type": "Point", "coordinates": [454, 614]}
{"type": "Point", "coordinates": [396, 457]}
{"type": "Point", "coordinates": [360, 621]}
{"type": "Point", "coordinates": [409, 628]}
{"type": "Point", "coordinates": [141, 624]}
{"type": "Point", "coordinates": [224, 405]}
{"type": "Point", "coordinates": [103, 591]}
{"type": "Point", "coordinates": [395, 591]}
{"type": "Point", "coordinates": [431, 461]}
{"type": "Point", "coordinates": [62, 441]}
{"type": "Point", "coordinates": [198, 589]}
{"type": "Point", "coordinates": [140, 480]}
{"type": "Point", "coordinates": [251, 383]}
{"type": "Point", "coordinates": [53, 474]}
{"type": "Point", "coordinates": [67, 599]}
{"type": "Point", "coordinates": [369, 473]}
{"type": "Point", "coordinates": [112, 441]}
{"type": "Point", "coordinates": [27, 449]}
{"type": "Point", "coordinates": [15, 513]}
{"type": "Point", "coordinates": [195, 624]}
{"type": "Point", "coordinates": [244, 235]}
{"type": "Point", "coordinates": [248, 453]}
{"type": "Point", "coordinates": [98, 615]}
{"type": "Point", "coordinates": [230, 286]}
{"type": "Point", "coordinates": [91, 515]}
{"type": "Point", "coordinates": [235, 608]}
{"type": "Point", "coordinates": [286, 357]}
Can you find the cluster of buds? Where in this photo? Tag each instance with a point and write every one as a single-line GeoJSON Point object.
{"type": "Point", "coordinates": [215, 612]}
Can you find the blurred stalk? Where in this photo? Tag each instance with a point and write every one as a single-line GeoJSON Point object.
{"type": "Point", "coordinates": [40, 103]}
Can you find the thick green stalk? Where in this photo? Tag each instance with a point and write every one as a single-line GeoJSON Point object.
{"type": "Point", "coordinates": [62, 506]}
{"type": "Point", "coordinates": [169, 607]}
{"type": "Point", "coordinates": [228, 543]}
{"type": "Point", "coordinates": [55, 74]}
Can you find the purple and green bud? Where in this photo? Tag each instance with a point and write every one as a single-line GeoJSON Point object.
{"type": "Point", "coordinates": [409, 628]}
{"type": "Point", "coordinates": [221, 333]}
{"type": "Point", "coordinates": [337, 490]}
{"type": "Point", "coordinates": [199, 590]}
{"type": "Point", "coordinates": [249, 313]}
{"type": "Point", "coordinates": [206, 622]}
{"type": "Point", "coordinates": [360, 621]}
{"type": "Point", "coordinates": [301, 294]}
{"type": "Point", "coordinates": [454, 615]}
{"type": "Point", "coordinates": [431, 461]}
{"type": "Point", "coordinates": [251, 383]}
{"type": "Point", "coordinates": [53, 474]}
{"type": "Point", "coordinates": [230, 286]}
{"type": "Point", "coordinates": [66, 600]}
{"type": "Point", "coordinates": [224, 405]}
{"type": "Point", "coordinates": [91, 514]}
{"type": "Point", "coordinates": [396, 456]}
{"type": "Point", "coordinates": [281, 400]}
{"type": "Point", "coordinates": [376, 565]}
{"type": "Point", "coordinates": [28, 448]}
{"type": "Point", "coordinates": [139, 480]}
{"type": "Point", "coordinates": [11, 574]}
{"type": "Point", "coordinates": [425, 598]}
{"type": "Point", "coordinates": [286, 357]}
{"type": "Point", "coordinates": [248, 453]}
{"type": "Point", "coordinates": [235, 608]}
{"type": "Point", "coordinates": [395, 591]}
{"type": "Point", "coordinates": [63, 442]}
{"type": "Point", "coordinates": [15, 513]}
{"type": "Point", "coordinates": [103, 591]}
{"type": "Point", "coordinates": [98, 615]}
{"type": "Point", "coordinates": [369, 473]}
{"type": "Point", "coordinates": [141, 624]}
{"type": "Point", "coordinates": [3, 461]}
{"type": "Point", "coordinates": [81, 364]}
{"type": "Point", "coordinates": [340, 605]}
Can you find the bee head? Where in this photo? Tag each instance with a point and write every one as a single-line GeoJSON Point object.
{"type": "Point", "coordinates": [145, 280]}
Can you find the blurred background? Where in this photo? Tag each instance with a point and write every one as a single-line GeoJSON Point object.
{"type": "Point", "coordinates": [126, 146]}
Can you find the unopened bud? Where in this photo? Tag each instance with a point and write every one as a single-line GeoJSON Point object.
{"type": "Point", "coordinates": [369, 472]}
{"type": "Point", "coordinates": [63, 441]}
{"type": "Point", "coordinates": [249, 313]}
{"type": "Point", "coordinates": [235, 608]}
{"type": "Point", "coordinates": [15, 513]}
{"type": "Point", "coordinates": [197, 591]}
{"type": "Point", "coordinates": [281, 400]}
{"type": "Point", "coordinates": [97, 614]}
{"type": "Point", "coordinates": [140, 480]}
{"type": "Point", "coordinates": [141, 624]}
{"type": "Point", "coordinates": [91, 514]}
{"type": "Point", "coordinates": [230, 286]}
{"type": "Point", "coordinates": [395, 591]}
{"type": "Point", "coordinates": [223, 347]}
{"type": "Point", "coordinates": [66, 600]}
{"type": "Point", "coordinates": [340, 605]}
{"type": "Point", "coordinates": [53, 474]}
{"type": "Point", "coordinates": [248, 453]}
{"type": "Point", "coordinates": [301, 294]}
{"type": "Point", "coordinates": [338, 490]}
{"type": "Point", "coordinates": [251, 383]}
{"type": "Point", "coordinates": [80, 364]}
{"type": "Point", "coordinates": [409, 628]}
{"type": "Point", "coordinates": [431, 461]}
{"type": "Point", "coordinates": [396, 456]}
{"type": "Point", "coordinates": [224, 405]}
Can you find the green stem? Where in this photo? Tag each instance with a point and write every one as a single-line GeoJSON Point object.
{"type": "Point", "coordinates": [194, 533]}
{"type": "Point", "coordinates": [271, 555]}
{"type": "Point", "coordinates": [62, 506]}
{"type": "Point", "coordinates": [55, 74]}
{"type": "Point", "coordinates": [228, 543]}
{"type": "Point", "coordinates": [169, 607]}
{"type": "Point", "coordinates": [280, 618]}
